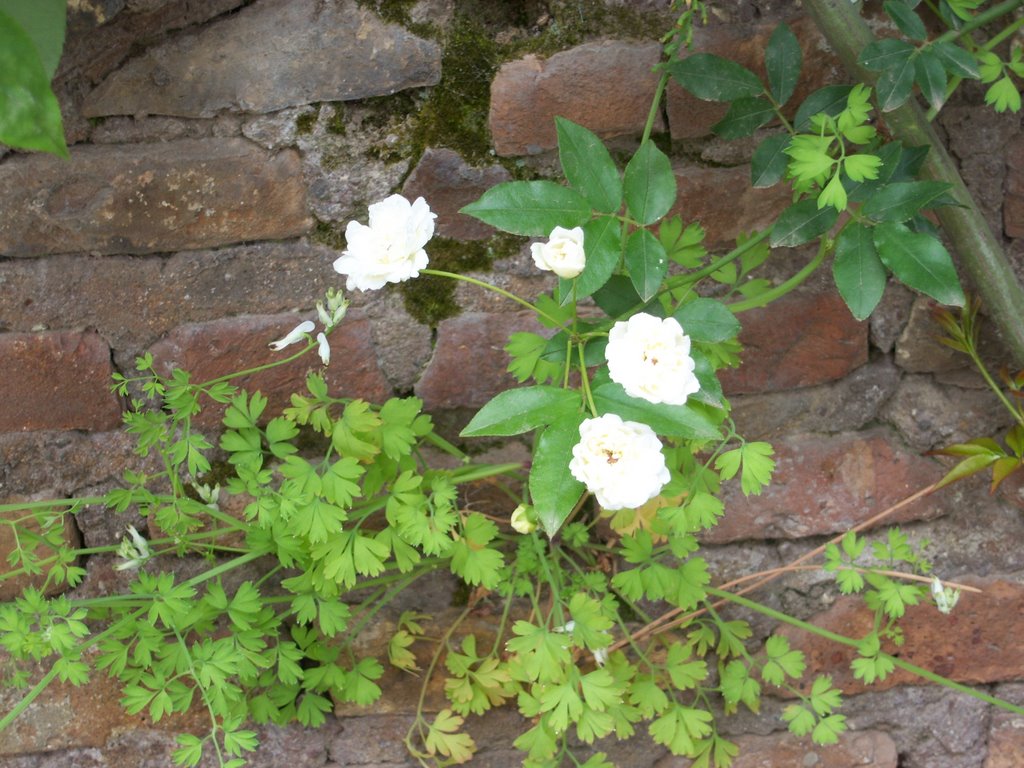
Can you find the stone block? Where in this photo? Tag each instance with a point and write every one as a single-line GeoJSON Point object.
{"type": "Point", "coordinates": [803, 339]}
{"type": "Point", "coordinates": [214, 349]}
{"type": "Point", "coordinates": [871, 749]}
{"type": "Point", "coordinates": [271, 55]}
{"type": "Point", "coordinates": [606, 86]}
{"type": "Point", "coordinates": [827, 484]}
{"type": "Point", "coordinates": [149, 198]}
{"type": "Point", "coordinates": [1013, 203]}
{"type": "Point", "coordinates": [57, 380]}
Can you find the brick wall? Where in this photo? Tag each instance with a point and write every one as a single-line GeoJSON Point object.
{"type": "Point", "coordinates": [217, 150]}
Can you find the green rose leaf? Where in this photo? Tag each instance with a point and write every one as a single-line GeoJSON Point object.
{"type": "Point", "coordinates": [920, 261]}
{"type": "Point", "coordinates": [956, 60]}
{"type": "Point", "coordinates": [744, 117]}
{"type": "Point", "coordinates": [894, 85]}
{"type": "Point", "coordinates": [588, 166]}
{"type": "Point", "coordinates": [885, 53]}
{"type": "Point", "coordinates": [802, 222]}
{"type": "Point", "coordinates": [782, 60]}
{"type": "Point", "coordinates": [707, 320]}
{"type": "Point", "coordinates": [831, 100]}
{"type": "Point", "coordinates": [44, 22]}
{"type": "Point", "coordinates": [859, 274]}
{"type": "Point", "coordinates": [553, 490]}
{"type": "Point", "coordinates": [650, 184]}
{"type": "Point", "coordinates": [671, 420]}
{"type": "Point", "coordinates": [29, 112]}
{"type": "Point", "coordinates": [768, 165]}
{"type": "Point", "coordinates": [515, 411]}
{"type": "Point", "coordinates": [908, 22]}
{"type": "Point", "coordinates": [602, 239]}
{"type": "Point", "coordinates": [713, 78]}
{"type": "Point", "coordinates": [900, 200]}
{"type": "Point", "coordinates": [646, 262]}
{"type": "Point", "coordinates": [617, 296]}
{"type": "Point", "coordinates": [930, 76]}
{"type": "Point", "coordinates": [531, 208]}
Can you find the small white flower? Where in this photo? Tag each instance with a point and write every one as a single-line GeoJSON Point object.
{"type": "Point", "coordinates": [333, 312]}
{"type": "Point", "coordinates": [650, 358]}
{"type": "Point", "coordinates": [296, 334]}
{"type": "Point", "coordinates": [601, 656]}
{"type": "Point", "coordinates": [389, 249]}
{"type": "Point", "coordinates": [522, 520]}
{"type": "Point", "coordinates": [324, 349]}
{"type": "Point", "coordinates": [562, 253]}
{"type": "Point", "coordinates": [210, 496]}
{"type": "Point", "coordinates": [945, 597]}
{"type": "Point", "coordinates": [134, 550]}
{"type": "Point", "coordinates": [620, 462]}
{"type": "Point", "coordinates": [567, 628]}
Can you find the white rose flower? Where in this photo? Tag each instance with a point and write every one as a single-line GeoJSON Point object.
{"type": "Point", "coordinates": [562, 253]}
{"type": "Point", "coordinates": [619, 461]}
{"type": "Point", "coordinates": [650, 358]}
{"type": "Point", "coordinates": [390, 248]}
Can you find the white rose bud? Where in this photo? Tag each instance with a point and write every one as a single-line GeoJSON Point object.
{"type": "Point", "coordinates": [522, 520]}
{"type": "Point", "coordinates": [562, 253]}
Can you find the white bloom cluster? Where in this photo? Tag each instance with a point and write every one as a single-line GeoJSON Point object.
{"type": "Point", "coordinates": [330, 313]}
{"type": "Point", "coordinates": [945, 597]}
{"type": "Point", "coordinates": [620, 462]}
{"type": "Point", "coordinates": [650, 358]}
{"type": "Point", "coordinates": [133, 550]}
{"type": "Point", "coordinates": [389, 249]}
{"type": "Point", "coordinates": [562, 253]}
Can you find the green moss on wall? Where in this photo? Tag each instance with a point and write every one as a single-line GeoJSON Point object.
{"type": "Point", "coordinates": [305, 122]}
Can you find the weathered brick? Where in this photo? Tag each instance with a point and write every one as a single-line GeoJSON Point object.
{"type": "Point", "coordinates": [1005, 741]}
{"type": "Point", "coordinates": [469, 364]}
{"type": "Point", "coordinates": [691, 118]}
{"type": "Point", "coordinates": [210, 350]}
{"type": "Point", "coordinates": [202, 74]}
{"type": "Point", "coordinates": [725, 204]}
{"type": "Point", "coordinates": [918, 349]}
{"type": "Point", "coordinates": [147, 198]}
{"type": "Point", "coordinates": [447, 183]}
{"type": "Point", "coordinates": [826, 484]}
{"type": "Point", "coordinates": [155, 295]}
{"type": "Point", "coordinates": [13, 527]}
{"type": "Point", "coordinates": [978, 643]}
{"type": "Point", "coordinates": [803, 339]}
{"type": "Point", "coordinates": [65, 716]}
{"type": "Point", "coordinates": [606, 86]}
{"type": "Point", "coordinates": [1013, 203]}
{"type": "Point", "coordinates": [57, 380]}
{"type": "Point", "coordinates": [872, 749]}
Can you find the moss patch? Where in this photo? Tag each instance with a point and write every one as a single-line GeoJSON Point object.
{"type": "Point", "coordinates": [431, 299]}
{"type": "Point", "coordinates": [571, 22]}
{"type": "Point", "coordinates": [328, 233]}
{"type": "Point", "coordinates": [305, 122]}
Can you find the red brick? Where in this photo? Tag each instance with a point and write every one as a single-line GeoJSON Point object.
{"type": "Point", "coordinates": [826, 484]}
{"type": "Point", "coordinates": [871, 749]}
{"type": "Point", "coordinates": [1013, 203]}
{"type": "Point", "coordinates": [57, 380]}
{"type": "Point", "coordinates": [447, 183]}
{"type": "Point", "coordinates": [978, 643]}
{"type": "Point", "coordinates": [691, 118]}
{"type": "Point", "coordinates": [210, 350]}
{"type": "Point", "coordinates": [469, 363]}
{"type": "Point", "coordinates": [606, 86]}
{"type": "Point", "coordinates": [723, 201]}
{"type": "Point", "coordinates": [803, 339]}
{"type": "Point", "coordinates": [148, 198]}
{"type": "Point", "coordinates": [12, 587]}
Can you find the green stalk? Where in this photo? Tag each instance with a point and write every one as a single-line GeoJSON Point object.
{"type": "Point", "coordinates": [496, 289]}
{"type": "Point", "coordinates": [783, 288]}
{"type": "Point", "coordinates": [979, 249]}
{"type": "Point", "coordinates": [926, 674]}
